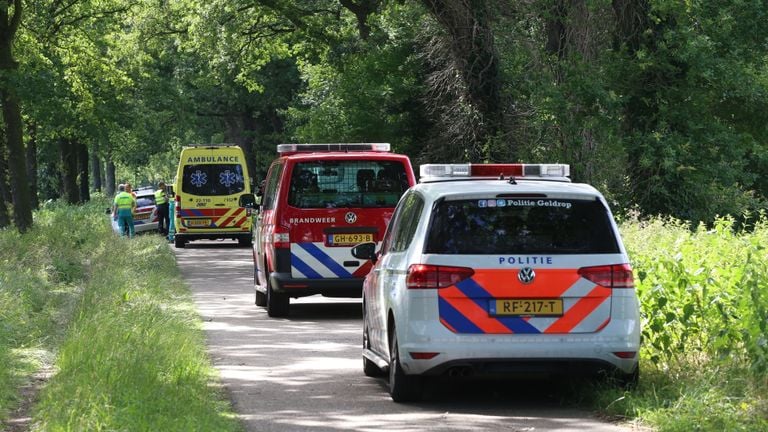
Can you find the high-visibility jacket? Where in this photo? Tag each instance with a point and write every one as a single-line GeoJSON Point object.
{"type": "Point", "coordinates": [124, 201]}
{"type": "Point", "coordinates": [160, 197]}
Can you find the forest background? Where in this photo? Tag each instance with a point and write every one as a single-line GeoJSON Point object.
{"type": "Point", "coordinates": [661, 104]}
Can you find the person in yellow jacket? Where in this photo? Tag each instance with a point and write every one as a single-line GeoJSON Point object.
{"type": "Point", "coordinates": [161, 201]}
{"type": "Point", "coordinates": [122, 211]}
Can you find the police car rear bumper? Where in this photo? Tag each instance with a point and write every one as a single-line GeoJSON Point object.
{"type": "Point", "coordinates": [293, 287]}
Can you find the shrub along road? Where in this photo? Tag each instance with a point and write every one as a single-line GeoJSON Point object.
{"type": "Point", "coordinates": [304, 372]}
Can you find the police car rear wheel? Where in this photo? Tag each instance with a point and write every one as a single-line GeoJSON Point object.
{"type": "Point", "coordinates": [277, 304]}
{"type": "Point", "coordinates": [402, 387]}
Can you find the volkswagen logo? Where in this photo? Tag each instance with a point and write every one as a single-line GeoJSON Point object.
{"type": "Point", "coordinates": [526, 275]}
{"type": "Point", "coordinates": [350, 218]}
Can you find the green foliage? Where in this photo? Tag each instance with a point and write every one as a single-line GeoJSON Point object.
{"type": "Point", "coordinates": [130, 351]}
{"type": "Point", "coordinates": [135, 354]}
{"type": "Point", "coordinates": [41, 275]}
{"type": "Point", "coordinates": [704, 305]}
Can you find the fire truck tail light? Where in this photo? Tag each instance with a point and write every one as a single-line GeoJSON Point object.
{"type": "Point", "coordinates": [434, 172]}
{"type": "Point", "coordinates": [280, 238]}
{"type": "Point", "coordinates": [424, 276]}
{"type": "Point", "coordinates": [610, 276]}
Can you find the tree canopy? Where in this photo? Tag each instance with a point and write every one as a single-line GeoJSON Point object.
{"type": "Point", "coordinates": [660, 104]}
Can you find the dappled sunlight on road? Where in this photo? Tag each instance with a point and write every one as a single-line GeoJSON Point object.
{"type": "Point", "coordinates": [304, 372]}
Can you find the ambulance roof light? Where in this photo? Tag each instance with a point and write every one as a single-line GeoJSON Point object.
{"type": "Point", "coordinates": [212, 145]}
{"type": "Point", "coordinates": [442, 172]}
{"type": "Point", "coordinates": [337, 147]}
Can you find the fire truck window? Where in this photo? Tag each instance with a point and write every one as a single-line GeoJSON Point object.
{"type": "Point", "coordinates": [347, 183]}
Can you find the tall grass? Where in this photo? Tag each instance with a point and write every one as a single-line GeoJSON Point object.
{"type": "Point", "coordinates": [132, 356]}
{"type": "Point", "coordinates": [704, 303]}
{"type": "Point", "coordinates": [41, 275]}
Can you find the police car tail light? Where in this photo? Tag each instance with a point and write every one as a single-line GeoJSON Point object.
{"type": "Point", "coordinates": [280, 238]}
{"type": "Point", "coordinates": [447, 171]}
{"type": "Point", "coordinates": [610, 276]}
{"type": "Point", "coordinates": [424, 276]}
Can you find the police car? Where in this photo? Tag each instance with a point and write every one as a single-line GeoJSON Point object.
{"type": "Point", "coordinates": [498, 270]}
{"type": "Point", "coordinates": [145, 216]}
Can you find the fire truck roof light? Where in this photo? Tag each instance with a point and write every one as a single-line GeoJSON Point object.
{"type": "Point", "coordinates": [340, 147]}
{"type": "Point", "coordinates": [441, 172]}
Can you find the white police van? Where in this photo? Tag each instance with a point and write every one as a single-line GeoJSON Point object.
{"type": "Point", "coordinates": [499, 270]}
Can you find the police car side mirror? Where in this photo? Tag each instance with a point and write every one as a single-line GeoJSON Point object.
{"type": "Point", "coordinates": [247, 201]}
{"type": "Point", "coordinates": [365, 251]}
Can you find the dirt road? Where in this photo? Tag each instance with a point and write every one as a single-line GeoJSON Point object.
{"type": "Point", "coordinates": [304, 373]}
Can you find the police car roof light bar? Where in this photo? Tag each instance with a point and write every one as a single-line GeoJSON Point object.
{"type": "Point", "coordinates": [433, 172]}
{"type": "Point", "coordinates": [339, 147]}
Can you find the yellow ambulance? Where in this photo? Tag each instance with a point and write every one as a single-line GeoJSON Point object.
{"type": "Point", "coordinates": [213, 195]}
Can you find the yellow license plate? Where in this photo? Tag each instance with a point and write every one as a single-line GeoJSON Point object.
{"type": "Point", "coordinates": [141, 216]}
{"type": "Point", "coordinates": [527, 307]}
{"type": "Point", "coordinates": [198, 222]}
{"type": "Point", "coordinates": [349, 239]}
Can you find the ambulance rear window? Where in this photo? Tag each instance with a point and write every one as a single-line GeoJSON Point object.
{"type": "Point", "coordinates": [213, 179]}
{"type": "Point", "coordinates": [521, 226]}
{"type": "Point", "coordinates": [352, 183]}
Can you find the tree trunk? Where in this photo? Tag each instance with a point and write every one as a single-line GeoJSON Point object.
{"type": "Point", "coordinates": [17, 166]}
{"type": "Point", "coordinates": [474, 61]}
{"type": "Point", "coordinates": [109, 187]}
{"type": "Point", "coordinates": [32, 164]}
{"type": "Point", "coordinates": [96, 171]}
{"type": "Point", "coordinates": [68, 152]}
{"type": "Point", "coordinates": [5, 194]}
{"type": "Point", "coordinates": [82, 175]}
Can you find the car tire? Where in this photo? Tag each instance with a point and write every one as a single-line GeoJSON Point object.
{"type": "Point", "coordinates": [629, 381]}
{"type": "Point", "coordinates": [179, 243]}
{"type": "Point", "coordinates": [402, 387]}
{"type": "Point", "coordinates": [261, 298]}
{"type": "Point", "coordinates": [369, 368]}
{"type": "Point", "coordinates": [277, 304]}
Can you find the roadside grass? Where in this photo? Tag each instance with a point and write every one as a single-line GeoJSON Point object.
{"type": "Point", "coordinates": [131, 355]}
{"type": "Point", "coordinates": [704, 305]}
{"type": "Point", "coordinates": [41, 276]}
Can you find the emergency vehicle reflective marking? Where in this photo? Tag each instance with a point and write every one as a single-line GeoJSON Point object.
{"type": "Point", "coordinates": [584, 307]}
{"type": "Point", "coordinates": [212, 159]}
{"type": "Point", "coordinates": [186, 212]}
{"type": "Point", "coordinates": [327, 262]}
{"type": "Point", "coordinates": [305, 269]}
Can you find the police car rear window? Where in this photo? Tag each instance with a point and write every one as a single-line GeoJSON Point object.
{"type": "Point", "coordinates": [145, 201]}
{"type": "Point", "coordinates": [353, 183]}
{"type": "Point", "coordinates": [521, 226]}
{"type": "Point", "coordinates": [213, 179]}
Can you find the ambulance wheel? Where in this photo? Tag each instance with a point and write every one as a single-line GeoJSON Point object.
{"type": "Point", "coordinates": [277, 304]}
{"type": "Point", "coordinates": [369, 368]}
{"type": "Point", "coordinates": [179, 243]}
{"type": "Point", "coordinates": [402, 387]}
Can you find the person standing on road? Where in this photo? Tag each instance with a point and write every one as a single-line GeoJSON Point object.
{"type": "Point", "coordinates": [161, 201]}
{"type": "Point", "coordinates": [171, 216]}
{"type": "Point", "coordinates": [122, 211]}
